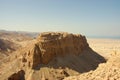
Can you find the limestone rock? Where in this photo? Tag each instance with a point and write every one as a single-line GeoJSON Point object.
{"type": "Point", "coordinates": [52, 44]}
{"type": "Point", "coordinates": [54, 56]}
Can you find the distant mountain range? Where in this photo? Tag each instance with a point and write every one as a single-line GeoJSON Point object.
{"type": "Point", "coordinates": [30, 34]}
{"type": "Point", "coordinates": [105, 37]}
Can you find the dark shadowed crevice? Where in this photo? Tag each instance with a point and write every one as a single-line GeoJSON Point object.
{"type": "Point", "coordinates": [20, 75]}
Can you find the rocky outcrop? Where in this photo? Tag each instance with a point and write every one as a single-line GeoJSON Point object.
{"type": "Point", "coordinates": [49, 45]}
{"type": "Point", "coordinates": [54, 44]}
{"type": "Point", "coordinates": [53, 56]}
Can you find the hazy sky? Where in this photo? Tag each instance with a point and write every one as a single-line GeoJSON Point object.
{"type": "Point", "coordinates": [89, 17]}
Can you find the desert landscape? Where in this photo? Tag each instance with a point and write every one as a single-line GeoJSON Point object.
{"type": "Point", "coordinates": [58, 56]}
{"type": "Point", "coordinates": [59, 39]}
{"type": "Point", "coordinates": [110, 70]}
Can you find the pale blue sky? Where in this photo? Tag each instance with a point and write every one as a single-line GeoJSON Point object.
{"type": "Point", "coordinates": [89, 17]}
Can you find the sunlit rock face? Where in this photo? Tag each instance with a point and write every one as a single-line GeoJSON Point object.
{"type": "Point", "coordinates": [51, 44]}
{"type": "Point", "coordinates": [52, 56]}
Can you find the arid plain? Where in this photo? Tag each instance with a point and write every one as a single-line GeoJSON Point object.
{"type": "Point", "coordinates": [105, 47]}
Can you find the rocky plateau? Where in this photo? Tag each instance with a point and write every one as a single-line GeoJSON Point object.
{"type": "Point", "coordinates": [51, 56]}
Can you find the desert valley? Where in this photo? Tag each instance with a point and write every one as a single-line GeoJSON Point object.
{"type": "Point", "coordinates": [57, 56]}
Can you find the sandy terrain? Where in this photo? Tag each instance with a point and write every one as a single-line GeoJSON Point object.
{"type": "Point", "coordinates": [105, 47]}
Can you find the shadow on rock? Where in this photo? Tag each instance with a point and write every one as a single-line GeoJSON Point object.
{"type": "Point", "coordinates": [84, 62]}
{"type": "Point", "coordinates": [17, 76]}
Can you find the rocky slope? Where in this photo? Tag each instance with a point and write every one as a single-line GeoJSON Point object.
{"type": "Point", "coordinates": [105, 71]}
{"type": "Point", "coordinates": [11, 41]}
{"type": "Point", "coordinates": [53, 56]}
{"type": "Point", "coordinates": [15, 36]}
{"type": "Point", "coordinates": [7, 46]}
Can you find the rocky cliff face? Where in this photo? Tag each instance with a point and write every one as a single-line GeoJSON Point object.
{"type": "Point", "coordinates": [53, 56]}
{"type": "Point", "coordinates": [50, 45]}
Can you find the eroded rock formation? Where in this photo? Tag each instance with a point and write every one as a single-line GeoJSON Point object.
{"type": "Point", "coordinates": [55, 55]}
{"type": "Point", "coordinates": [49, 45]}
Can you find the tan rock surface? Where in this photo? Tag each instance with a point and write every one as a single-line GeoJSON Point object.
{"type": "Point", "coordinates": [7, 46]}
{"type": "Point", "coordinates": [53, 56]}
{"type": "Point", "coordinates": [105, 71]}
